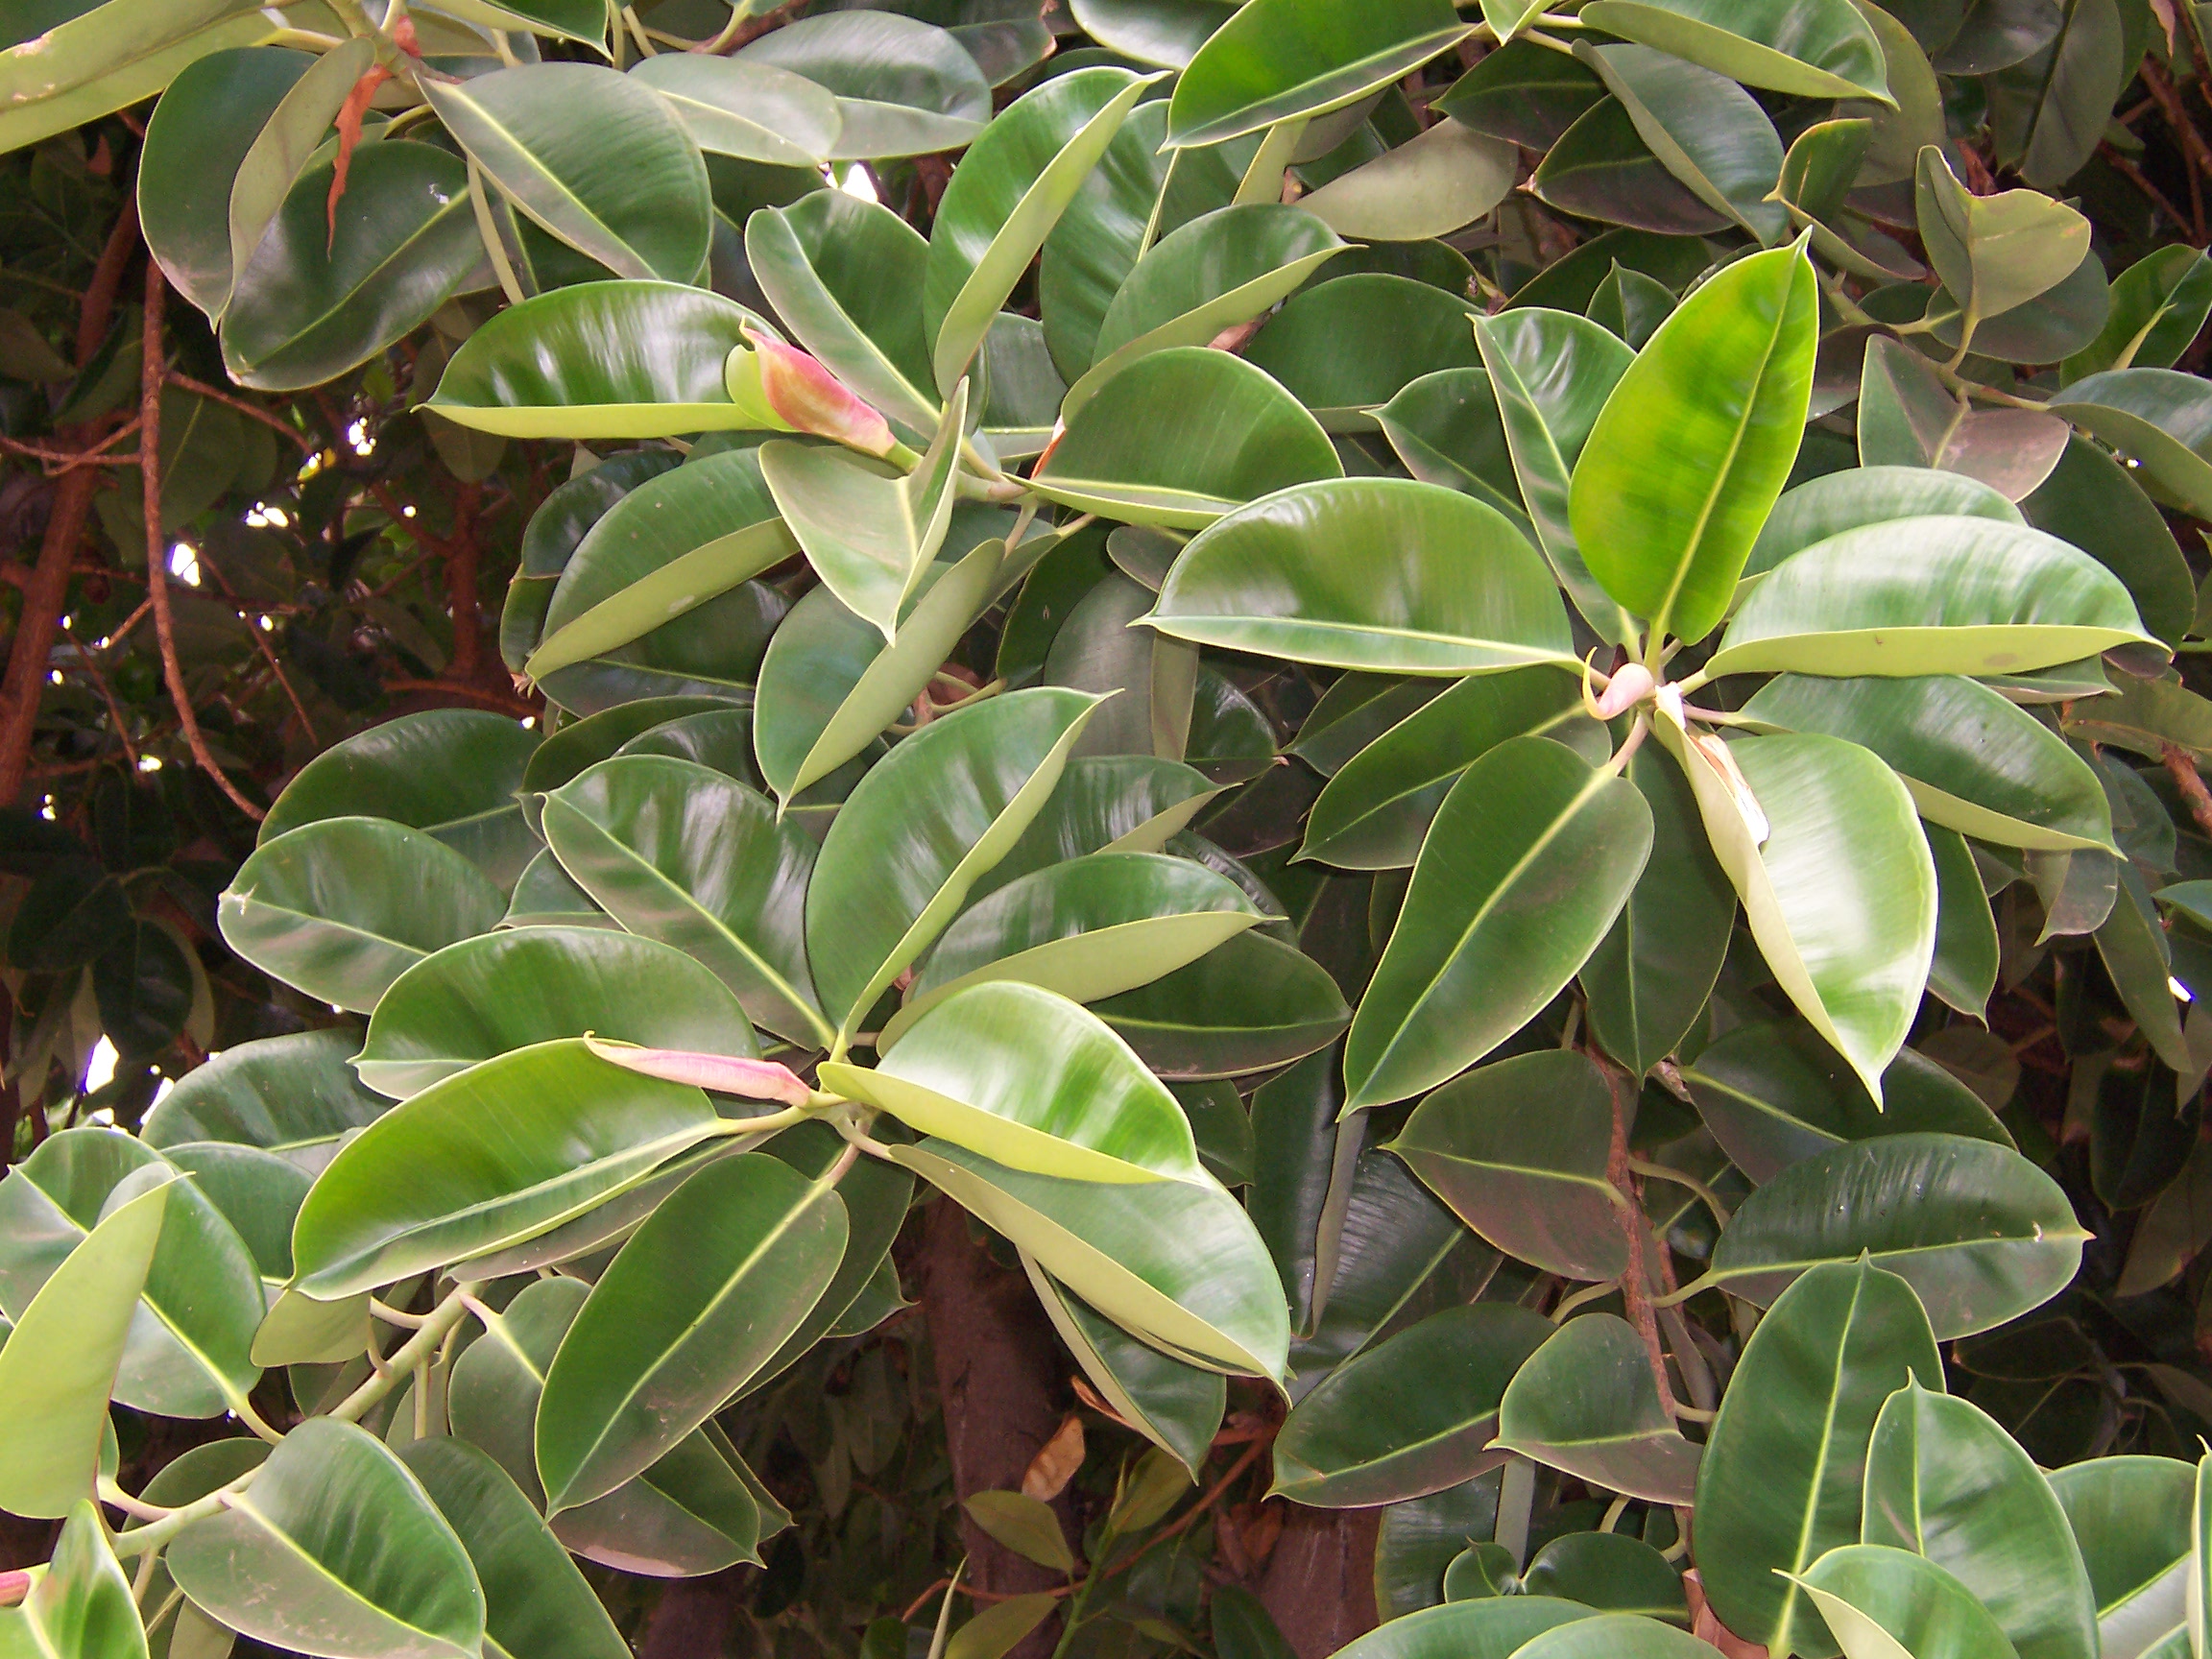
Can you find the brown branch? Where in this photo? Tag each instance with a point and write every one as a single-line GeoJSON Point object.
{"type": "Point", "coordinates": [2183, 766]}
{"type": "Point", "coordinates": [1635, 1287]}
{"type": "Point", "coordinates": [56, 462]}
{"type": "Point", "coordinates": [251, 411]}
{"type": "Point", "coordinates": [2136, 177]}
{"type": "Point", "coordinates": [461, 598]}
{"type": "Point", "coordinates": [2194, 151]}
{"type": "Point", "coordinates": [99, 307]}
{"type": "Point", "coordinates": [149, 381]}
{"type": "Point", "coordinates": [505, 703]}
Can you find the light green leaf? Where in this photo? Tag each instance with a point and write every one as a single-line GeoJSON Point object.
{"type": "Point", "coordinates": [295, 1095]}
{"type": "Point", "coordinates": [902, 86]}
{"type": "Point", "coordinates": [754, 112]}
{"type": "Point", "coordinates": [1812, 48]}
{"type": "Point", "coordinates": [1176, 1406]}
{"type": "Point", "coordinates": [1444, 179]}
{"type": "Point", "coordinates": [1994, 253]}
{"type": "Point", "coordinates": [1887, 1603]}
{"type": "Point", "coordinates": [1025, 1524]}
{"type": "Point", "coordinates": [80, 1605]}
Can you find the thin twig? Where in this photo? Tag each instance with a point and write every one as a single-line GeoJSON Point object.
{"type": "Point", "coordinates": [251, 411]}
{"type": "Point", "coordinates": [150, 379]}
{"type": "Point", "coordinates": [2183, 766]}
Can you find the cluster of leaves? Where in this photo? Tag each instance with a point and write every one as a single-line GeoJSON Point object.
{"type": "Point", "coordinates": [1482, 847]}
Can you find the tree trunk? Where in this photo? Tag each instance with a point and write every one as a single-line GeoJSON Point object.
{"type": "Point", "coordinates": [1000, 1377]}
{"type": "Point", "coordinates": [693, 1617]}
{"type": "Point", "coordinates": [1319, 1585]}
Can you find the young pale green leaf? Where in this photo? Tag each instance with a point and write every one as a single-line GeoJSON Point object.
{"type": "Point", "coordinates": [1774, 1094]}
{"type": "Point", "coordinates": [1779, 1483]}
{"type": "Point", "coordinates": [1944, 1481]}
{"type": "Point", "coordinates": [1180, 437]}
{"type": "Point", "coordinates": [1706, 130]}
{"type": "Point", "coordinates": [1442, 180]}
{"type": "Point", "coordinates": [754, 112]}
{"type": "Point", "coordinates": [1883, 1602]}
{"type": "Point", "coordinates": [903, 88]}
{"type": "Point", "coordinates": [1550, 372]}
{"type": "Point", "coordinates": [1033, 1082]}
{"type": "Point", "coordinates": [61, 1359]}
{"type": "Point", "coordinates": [1938, 595]}
{"type": "Point", "coordinates": [491, 1157]}
{"type": "Point", "coordinates": [1981, 1235]}
{"type": "Point", "coordinates": [1284, 58]}
{"type": "Point", "coordinates": [296, 1096]}
{"type": "Point", "coordinates": [1971, 761]}
{"type": "Point", "coordinates": [335, 1548]}
{"type": "Point", "coordinates": [599, 360]}
{"type": "Point", "coordinates": [1994, 253]}
{"type": "Point", "coordinates": [1451, 589]}
{"type": "Point", "coordinates": [594, 156]}
{"type": "Point", "coordinates": [1529, 859]}
{"type": "Point", "coordinates": [869, 531]}
{"type": "Point", "coordinates": [80, 1605]}
{"type": "Point", "coordinates": [1177, 1263]}
{"type": "Point", "coordinates": [1412, 1415]}
{"type": "Point", "coordinates": [1586, 1402]}
{"type": "Point", "coordinates": [697, 860]}
{"type": "Point", "coordinates": [198, 133]}
{"type": "Point", "coordinates": [1010, 187]}
{"type": "Point", "coordinates": [1694, 444]}
{"type": "Point", "coordinates": [506, 991]}
{"type": "Point", "coordinates": [535, 1601]}
{"type": "Point", "coordinates": [1374, 812]}
{"type": "Point", "coordinates": [1812, 48]}
{"type": "Point", "coordinates": [1531, 1181]}
{"type": "Point", "coordinates": [908, 845]}
{"type": "Point", "coordinates": [1176, 1406]}
{"type": "Point", "coordinates": [1025, 1524]}
{"type": "Point", "coordinates": [846, 278]}
{"type": "Point", "coordinates": [310, 304]}
{"type": "Point", "coordinates": [1087, 929]}
{"type": "Point", "coordinates": [700, 1296]}
{"type": "Point", "coordinates": [343, 907]}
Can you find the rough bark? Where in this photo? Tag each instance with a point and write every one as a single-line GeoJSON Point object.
{"type": "Point", "coordinates": [999, 1378]}
{"type": "Point", "coordinates": [693, 1617]}
{"type": "Point", "coordinates": [1319, 1585]}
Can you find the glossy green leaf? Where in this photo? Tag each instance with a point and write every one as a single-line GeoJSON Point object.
{"type": "Point", "coordinates": [1174, 1263]}
{"type": "Point", "coordinates": [450, 773]}
{"type": "Point", "coordinates": [1779, 1484]}
{"type": "Point", "coordinates": [310, 305]}
{"type": "Point", "coordinates": [1706, 130]}
{"type": "Point", "coordinates": [1529, 859]}
{"type": "Point", "coordinates": [1268, 578]}
{"type": "Point", "coordinates": [506, 991]}
{"type": "Point", "coordinates": [536, 1603]}
{"type": "Point", "coordinates": [1773, 1095]}
{"type": "Point", "coordinates": [1945, 1481]}
{"type": "Point", "coordinates": [592, 156]}
{"type": "Point", "coordinates": [61, 1358]}
{"type": "Point", "coordinates": [1175, 1406]}
{"type": "Point", "coordinates": [1033, 1082]}
{"type": "Point", "coordinates": [1087, 929]}
{"type": "Point", "coordinates": [342, 907]}
{"type": "Point", "coordinates": [1827, 506]}
{"type": "Point", "coordinates": [1180, 437]}
{"type": "Point", "coordinates": [296, 1096]}
{"type": "Point", "coordinates": [1287, 59]}
{"type": "Point", "coordinates": [1609, 1571]}
{"type": "Point", "coordinates": [1883, 1602]}
{"type": "Point", "coordinates": [549, 1132]}
{"type": "Point", "coordinates": [1650, 975]}
{"type": "Point", "coordinates": [754, 112]}
{"type": "Point", "coordinates": [700, 1297]}
{"type": "Point", "coordinates": [1970, 759]}
{"type": "Point", "coordinates": [2094, 501]}
{"type": "Point", "coordinates": [599, 360]}
{"type": "Point", "coordinates": [902, 86]}
{"type": "Point", "coordinates": [335, 1548]}
{"type": "Point", "coordinates": [2159, 305]}
{"type": "Point", "coordinates": [1025, 1524]}
{"type": "Point", "coordinates": [1551, 372]}
{"type": "Point", "coordinates": [1442, 180]}
{"type": "Point", "coordinates": [1531, 1181]}
{"type": "Point", "coordinates": [1813, 48]}
{"type": "Point", "coordinates": [1494, 1627]}
{"type": "Point", "coordinates": [1446, 429]}
{"type": "Point", "coordinates": [1994, 253]}
{"type": "Point", "coordinates": [1412, 1415]}
{"type": "Point", "coordinates": [1523, 93]}
{"type": "Point", "coordinates": [1615, 1636]}
{"type": "Point", "coordinates": [1980, 1234]}
{"type": "Point", "coordinates": [82, 1604]}
{"type": "Point", "coordinates": [1601, 168]}
{"type": "Point", "coordinates": [2130, 1518]}
{"type": "Point", "coordinates": [1013, 183]}
{"type": "Point", "coordinates": [1586, 1402]}
{"type": "Point", "coordinates": [1347, 345]}
{"type": "Point", "coordinates": [1220, 270]}
{"type": "Point", "coordinates": [2161, 417]}
{"type": "Point", "coordinates": [1694, 444]}
{"type": "Point", "coordinates": [696, 860]}
{"type": "Point", "coordinates": [1105, 804]}
{"type": "Point", "coordinates": [1908, 417]}
{"type": "Point", "coordinates": [199, 132]}
{"type": "Point", "coordinates": [285, 144]}
{"type": "Point", "coordinates": [845, 276]}
{"type": "Point", "coordinates": [1247, 1006]}
{"type": "Point", "coordinates": [1938, 595]}
{"type": "Point", "coordinates": [830, 685]}
{"type": "Point", "coordinates": [1167, 33]}
{"type": "Point", "coordinates": [664, 549]}
{"type": "Point", "coordinates": [908, 845]}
